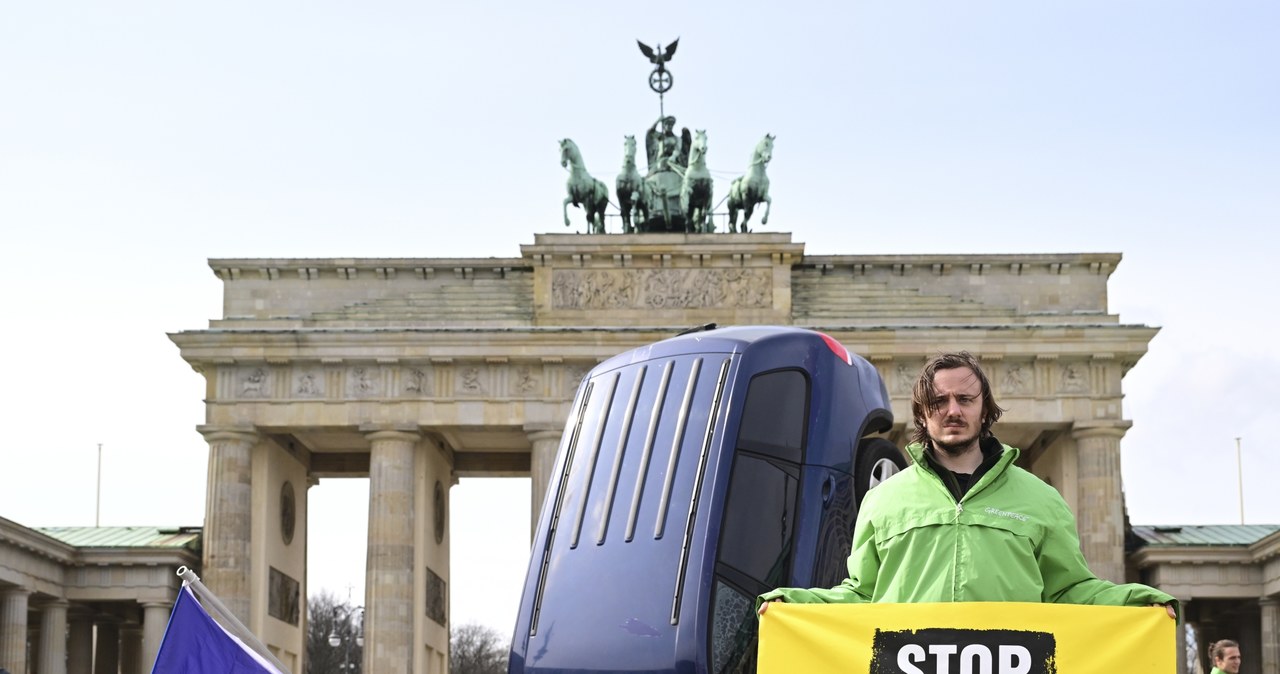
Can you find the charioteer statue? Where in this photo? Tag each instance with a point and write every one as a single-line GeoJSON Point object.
{"type": "Point", "coordinates": [664, 148]}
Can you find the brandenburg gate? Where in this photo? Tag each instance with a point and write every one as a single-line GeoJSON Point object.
{"type": "Point", "coordinates": [416, 371]}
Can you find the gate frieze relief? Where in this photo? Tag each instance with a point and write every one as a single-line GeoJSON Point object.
{"type": "Point", "coordinates": [434, 379]}
{"type": "Point", "coordinates": [647, 289]}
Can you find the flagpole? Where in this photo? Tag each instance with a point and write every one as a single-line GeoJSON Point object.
{"type": "Point", "coordinates": [1240, 480]}
{"type": "Point", "coordinates": [97, 513]}
{"type": "Point", "coordinates": [227, 618]}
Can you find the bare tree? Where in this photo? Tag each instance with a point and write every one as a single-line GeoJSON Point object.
{"type": "Point", "coordinates": [477, 649]}
{"type": "Point", "coordinates": [326, 617]}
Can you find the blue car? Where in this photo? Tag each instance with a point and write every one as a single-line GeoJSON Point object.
{"type": "Point", "coordinates": [694, 474]}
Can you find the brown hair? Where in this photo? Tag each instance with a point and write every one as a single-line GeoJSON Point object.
{"type": "Point", "coordinates": [923, 394]}
{"type": "Point", "coordinates": [1219, 648]}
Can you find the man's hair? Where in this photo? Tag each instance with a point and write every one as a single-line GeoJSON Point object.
{"type": "Point", "coordinates": [924, 394]}
{"type": "Point", "coordinates": [1219, 648]}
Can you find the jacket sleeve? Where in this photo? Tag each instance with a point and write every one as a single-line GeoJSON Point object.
{"type": "Point", "coordinates": [1067, 578]}
{"type": "Point", "coordinates": [864, 567]}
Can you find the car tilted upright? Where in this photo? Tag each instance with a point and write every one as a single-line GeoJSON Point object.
{"type": "Point", "coordinates": [694, 474]}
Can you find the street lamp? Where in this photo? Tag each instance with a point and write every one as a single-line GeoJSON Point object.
{"type": "Point", "coordinates": [336, 640]}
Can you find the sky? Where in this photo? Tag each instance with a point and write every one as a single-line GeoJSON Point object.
{"type": "Point", "coordinates": [138, 140]}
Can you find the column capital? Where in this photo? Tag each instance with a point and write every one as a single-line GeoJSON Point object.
{"type": "Point", "coordinates": [1113, 428]}
{"type": "Point", "coordinates": [402, 432]}
{"type": "Point", "coordinates": [540, 434]}
{"type": "Point", "coordinates": [215, 433]}
{"type": "Point", "coordinates": [1269, 601]}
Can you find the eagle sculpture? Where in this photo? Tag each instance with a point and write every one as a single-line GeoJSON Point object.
{"type": "Point", "coordinates": [657, 56]}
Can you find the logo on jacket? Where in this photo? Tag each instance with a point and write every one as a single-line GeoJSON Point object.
{"type": "Point", "coordinates": [1006, 514]}
{"type": "Point", "coordinates": [944, 650]}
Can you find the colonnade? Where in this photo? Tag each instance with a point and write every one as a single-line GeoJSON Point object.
{"type": "Point", "coordinates": [406, 601]}
{"type": "Point", "coordinates": [54, 636]}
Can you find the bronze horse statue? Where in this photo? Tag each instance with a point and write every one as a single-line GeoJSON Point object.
{"type": "Point", "coordinates": [695, 191]}
{"type": "Point", "coordinates": [752, 188]}
{"type": "Point", "coordinates": [631, 189]}
{"type": "Point", "coordinates": [584, 191]}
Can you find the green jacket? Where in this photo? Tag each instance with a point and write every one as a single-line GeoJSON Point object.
{"type": "Point", "coordinates": [1010, 538]}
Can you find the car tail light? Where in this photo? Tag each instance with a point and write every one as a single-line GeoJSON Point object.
{"type": "Point", "coordinates": [837, 348]}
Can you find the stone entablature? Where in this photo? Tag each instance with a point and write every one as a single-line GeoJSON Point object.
{"type": "Point", "coordinates": [48, 566]}
{"type": "Point", "coordinates": [567, 279]}
{"type": "Point", "coordinates": [1063, 288]}
{"type": "Point", "coordinates": [356, 292]}
{"type": "Point", "coordinates": [1213, 571]}
{"type": "Point", "coordinates": [301, 337]}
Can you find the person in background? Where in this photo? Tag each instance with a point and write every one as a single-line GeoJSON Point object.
{"type": "Point", "coordinates": [1225, 656]}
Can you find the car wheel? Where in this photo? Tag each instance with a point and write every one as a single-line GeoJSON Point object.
{"type": "Point", "coordinates": [878, 460]}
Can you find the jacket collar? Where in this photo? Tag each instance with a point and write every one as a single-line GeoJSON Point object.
{"type": "Point", "coordinates": [997, 457]}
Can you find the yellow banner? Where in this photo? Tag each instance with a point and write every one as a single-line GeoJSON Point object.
{"type": "Point", "coordinates": [972, 638]}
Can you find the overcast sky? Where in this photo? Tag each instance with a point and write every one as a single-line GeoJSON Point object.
{"type": "Point", "coordinates": [139, 139]}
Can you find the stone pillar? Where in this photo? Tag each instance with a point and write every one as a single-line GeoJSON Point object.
{"type": "Point", "coordinates": [155, 618]}
{"type": "Point", "coordinates": [106, 653]}
{"type": "Point", "coordinates": [13, 629]}
{"type": "Point", "coordinates": [52, 654]}
{"type": "Point", "coordinates": [541, 462]}
{"type": "Point", "coordinates": [131, 649]}
{"type": "Point", "coordinates": [1270, 625]}
{"type": "Point", "coordinates": [389, 597]}
{"type": "Point", "coordinates": [1100, 516]}
{"type": "Point", "coordinates": [228, 518]}
{"type": "Point", "coordinates": [80, 644]}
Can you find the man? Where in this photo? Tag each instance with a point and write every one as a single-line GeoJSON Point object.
{"type": "Point", "coordinates": [1226, 657]}
{"type": "Point", "coordinates": [964, 523]}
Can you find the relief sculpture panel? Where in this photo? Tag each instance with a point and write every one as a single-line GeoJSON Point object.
{"type": "Point", "coordinates": [254, 383]}
{"type": "Point", "coordinates": [644, 289]}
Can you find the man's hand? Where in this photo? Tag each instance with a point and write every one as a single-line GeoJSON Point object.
{"type": "Point", "coordinates": [765, 606]}
{"type": "Point", "coordinates": [1168, 609]}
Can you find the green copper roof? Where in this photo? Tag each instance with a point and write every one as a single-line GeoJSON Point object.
{"type": "Point", "coordinates": [125, 537]}
{"type": "Point", "coordinates": [1197, 534]}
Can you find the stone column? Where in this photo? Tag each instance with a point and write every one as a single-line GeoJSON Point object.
{"type": "Point", "coordinates": [1270, 624]}
{"type": "Point", "coordinates": [228, 517]}
{"type": "Point", "coordinates": [155, 617]}
{"type": "Point", "coordinates": [106, 655]}
{"type": "Point", "coordinates": [1100, 516]}
{"type": "Point", "coordinates": [389, 615]}
{"type": "Point", "coordinates": [13, 629]}
{"type": "Point", "coordinates": [541, 462]}
{"type": "Point", "coordinates": [52, 655]}
{"type": "Point", "coordinates": [131, 649]}
{"type": "Point", "coordinates": [80, 644]}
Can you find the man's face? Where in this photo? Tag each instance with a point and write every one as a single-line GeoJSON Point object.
{"type": "Point", "coordinates": [955, 419]}
{"type": "Point", "coordinates": [1230, 661]}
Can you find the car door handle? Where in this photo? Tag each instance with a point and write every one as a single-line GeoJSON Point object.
{"type": "Point", "coordinates": [828, 488]}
